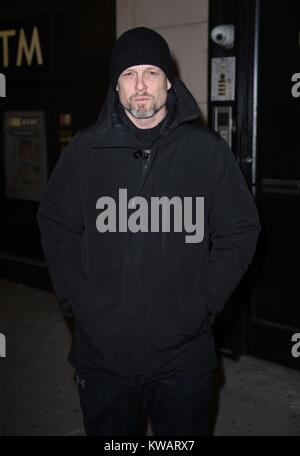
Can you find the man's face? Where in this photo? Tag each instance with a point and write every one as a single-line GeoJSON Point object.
{"type": "Point", "coordinates": [143, 90]}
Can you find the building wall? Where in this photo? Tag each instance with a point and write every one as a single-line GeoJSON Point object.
{"type": "Point", "coordinates": [184, 24]}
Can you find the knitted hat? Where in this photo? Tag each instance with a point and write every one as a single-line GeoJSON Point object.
{"type": "Point", "coordinates": [140, 46]}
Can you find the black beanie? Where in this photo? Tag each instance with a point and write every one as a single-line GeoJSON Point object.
{"type": "Point", "coordinates": [140, 46]}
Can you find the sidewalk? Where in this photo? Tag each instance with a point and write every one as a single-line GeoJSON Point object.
{"type": "Point", "coordinates": [39, 397]}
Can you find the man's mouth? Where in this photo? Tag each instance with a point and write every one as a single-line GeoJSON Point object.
{"type": "Point", "coordinates": [142, 99]}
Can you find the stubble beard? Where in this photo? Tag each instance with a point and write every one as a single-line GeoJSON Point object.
{"type": "Point", "coordinates": [142, 113]}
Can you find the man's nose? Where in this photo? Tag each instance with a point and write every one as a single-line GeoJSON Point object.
{"type": "Point", "coordinates": [140, 83]}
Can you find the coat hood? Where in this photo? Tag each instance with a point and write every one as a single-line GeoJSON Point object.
{"type": "Point", "coordinates": [185, 109]}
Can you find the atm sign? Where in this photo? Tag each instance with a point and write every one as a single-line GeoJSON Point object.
{"type": "Point", "coordinates": [28, 47]}
{"type": "Point", "coordinates": [36, 46]}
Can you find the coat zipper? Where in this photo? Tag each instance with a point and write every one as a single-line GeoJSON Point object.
{"type": "Point", "coordinates": [145, 165]}
{"type": "Point", "coordinates": [147, 152]}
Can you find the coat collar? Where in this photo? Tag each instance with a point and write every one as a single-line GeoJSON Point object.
{"type": "Point", "coordinates": [108, 131]}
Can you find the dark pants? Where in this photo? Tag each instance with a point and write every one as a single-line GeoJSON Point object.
{"type": "Point", "coordinates": [175, 406]}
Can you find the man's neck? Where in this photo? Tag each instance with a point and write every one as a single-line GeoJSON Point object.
{"type": "Point", "coordinates": [151, 122]}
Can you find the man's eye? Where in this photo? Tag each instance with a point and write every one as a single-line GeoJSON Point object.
{"type": "Point", "coordinates": [153, 73]}
{"type": "Point", "coordinates": [127, 74]}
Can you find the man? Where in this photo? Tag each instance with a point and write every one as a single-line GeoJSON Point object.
{"type": "Point", "coordinates": [144, 299]}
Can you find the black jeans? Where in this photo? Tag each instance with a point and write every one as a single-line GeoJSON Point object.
{"type": "Point", "coordinates": [175, 406]}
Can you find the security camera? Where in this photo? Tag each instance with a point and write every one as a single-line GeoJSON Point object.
{"type": "Point", "coordinates": [223, 35]}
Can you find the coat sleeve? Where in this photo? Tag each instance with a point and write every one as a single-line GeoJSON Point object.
{"type": "Point", "coordinates": [61, 223]}
{"type": "Point", "coordinates": [234, 227]}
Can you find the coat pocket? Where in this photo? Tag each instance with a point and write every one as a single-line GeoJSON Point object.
{"type": "Point", "coordinates": [96, 309]}
{"type": "Point", "coordinates": [80, 293]}
{"type": "Point", "coordinates": [175, 312]}
{"type": "Point", "coordinates": [201, 311]}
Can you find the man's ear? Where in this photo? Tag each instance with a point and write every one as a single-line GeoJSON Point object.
{"type": "Point", "coordinates": [169, 85]}
{"type": "Point", "coordinates": [117, 89]}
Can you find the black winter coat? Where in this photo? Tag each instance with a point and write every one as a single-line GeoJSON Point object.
{"type": "Point", "coordinates": [143, 303]}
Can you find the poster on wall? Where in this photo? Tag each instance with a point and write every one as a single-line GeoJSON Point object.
{"type": "Point", "coordinates": [25, 155]}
